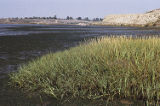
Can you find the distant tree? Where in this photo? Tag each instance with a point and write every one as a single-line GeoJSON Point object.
{"type": "Point", "coordinates": [38, 17]}
{"type": "Point", "coordinates": [69, 18]}
{"type": "Point", "coordinates": [48, 17]}
{"type": "Point", "coordinates": [96, 19]}
{"type": "Point", "coordinates": [79, 18]}
{"type": "Point", "coordinates": [55, 17]}
{"type": "Point", "coordinates": [43, 17]}
{"type": "Point", "coordinates": [51, 17]}
{"type": "Point", "coordinates": [101, 19]}
{"type": "Point", "coordinates": [34, 17]}
{"type": "Point", "coordinates": [86, 19]}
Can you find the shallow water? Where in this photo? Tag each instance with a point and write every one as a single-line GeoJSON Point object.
{"type": "Point", "coordinates": [22, 43]}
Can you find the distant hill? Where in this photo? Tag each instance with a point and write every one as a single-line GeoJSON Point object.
{"type": "Point", "coordinates": [151, 18]}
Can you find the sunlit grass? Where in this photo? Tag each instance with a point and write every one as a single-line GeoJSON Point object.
{"type": "Point", "coordinates": [105, 68]}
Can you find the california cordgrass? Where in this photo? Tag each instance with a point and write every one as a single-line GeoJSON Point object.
{"type": "Point", "coordinates": [110, 67]}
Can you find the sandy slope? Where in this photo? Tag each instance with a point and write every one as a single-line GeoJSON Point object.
{"type": "Point", "coordinates": [151, 18]}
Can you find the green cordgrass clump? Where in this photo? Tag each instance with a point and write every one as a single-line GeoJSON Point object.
{"type": "Point", "coordinates": [105, 68]}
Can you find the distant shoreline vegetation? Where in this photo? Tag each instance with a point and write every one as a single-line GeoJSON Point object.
{"type": "Point", "coordinates": [50, 20]}
{"type": "Point", "coordinates": [109, 67]}
{"type": "Point", "coordinates": [55, 17]}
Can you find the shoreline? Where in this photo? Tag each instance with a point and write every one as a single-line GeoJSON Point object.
{"type": "Point", "coordinates": [45, 21]}
{"type": "Point", "coordinates": [122, 25]}
{"type": "Point", "coordinates": [88, 24]}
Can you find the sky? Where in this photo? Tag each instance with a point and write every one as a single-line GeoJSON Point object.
{"type": "Point", "coordinates": [74, 8]}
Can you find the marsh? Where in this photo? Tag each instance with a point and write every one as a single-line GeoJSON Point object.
{"type": "Point", "coordinates": [20, 44]}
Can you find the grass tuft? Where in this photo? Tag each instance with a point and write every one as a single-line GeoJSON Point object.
{"type": "Point", "coordinates": [109, 67]}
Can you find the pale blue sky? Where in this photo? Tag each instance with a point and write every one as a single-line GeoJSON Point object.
{"type": "Point", "coordinates": [75, 8]}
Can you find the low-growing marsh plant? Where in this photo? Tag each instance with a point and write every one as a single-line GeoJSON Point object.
{"type": "Point", "coordinates": [105, 68]}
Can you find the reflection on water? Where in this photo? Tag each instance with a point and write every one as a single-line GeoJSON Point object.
{"type": "Point", "coordinates": [21, 43]}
